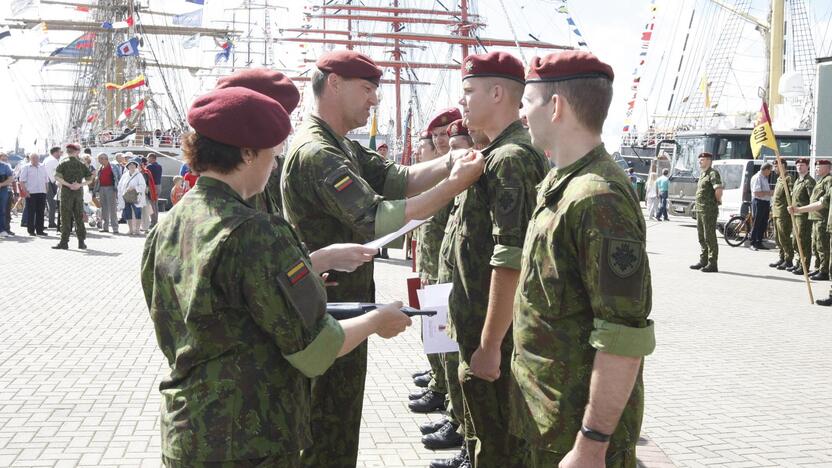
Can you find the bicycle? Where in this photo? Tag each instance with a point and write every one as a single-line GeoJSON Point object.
{"type": "Point", "coordinates": [738, 228]}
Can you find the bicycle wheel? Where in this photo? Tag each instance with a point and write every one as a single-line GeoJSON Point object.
{"type": "Point", "coordinates": [770, 233]}
{"type": "Point", "coordinates": [736, 231]}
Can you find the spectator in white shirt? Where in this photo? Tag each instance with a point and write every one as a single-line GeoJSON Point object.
{"type": "Point", "coordinates": [760, 205]}
{"type": "Point", "coordinates": [51, 163]}
{"type": "Point", "coordinates": [132, 181]}
{"type": "Point", "coordinates": [34, 181]}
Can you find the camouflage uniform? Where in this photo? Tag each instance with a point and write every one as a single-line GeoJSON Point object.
{"type": "Point", "coordinates": [269, 200]}
{"type": "Point", "coordinates": [584, 286]}
{"type": "Point", "coordinates": [72, 170]}
{"type": "Point", "coordinates": [488, 232]}
{"type": "Point", "coordinates": [820, 238]}
{"type": "Point", "coordinates": [801, 194]}
{"type": "Point", "coordinates": [782, 219]}
{"type": "Point", "coordinates": [330, 188]}
{"type": "Point", "coordinates": [241, 319]}
{"type": "Point", "coordinates": [706, 212]}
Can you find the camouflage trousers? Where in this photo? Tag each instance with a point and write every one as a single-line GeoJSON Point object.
{"type": "Point", "coordinates": [706, 228]}
{"type": "Point", "coordinates": [438, 379]}
{"type": "Point", "coordinates": [72, 210]}
{"type": "Point", "coordinates": [820, 245]}
{"type": "Point", "coordinates": [456, 407]}
{"type": "Point", "coordinates": [489, 443]}
{"type": "Point", "coordinates": [802, 236]}
{"type": "Point", "coordinates": [538, 458]}
{"type": "Point", "coordinates": [274, 461]}
{"type": "Point", "coordinates": [783, 233]}
{"type": "Point", "coordinates": [337, 400]}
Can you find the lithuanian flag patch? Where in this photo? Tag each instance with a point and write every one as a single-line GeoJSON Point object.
{"type": "Point", "coordinates": [297, 272]}
{"type": "Point", "coordinates": [342, 184]}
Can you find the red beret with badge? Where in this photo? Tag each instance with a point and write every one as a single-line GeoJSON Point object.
{"type": "Point", "coordinates": [568, 65]}
{"type": "Point", "coordinates": [271, 83]}
{"type": "Point", "coordinates": [350, 64]}
{"type": "Point", "coordinates": [705, 155]}
{"type": "Point", "coordinates": [822, 162]}
{"type": "Point", "coordinates": [494, 65]}
{"type": "Point", "coordinates": [457, 128]}
{"type": "Point", "coordinates": [802, 161]}
{"type": "Point", "coordinates": [383, 145]}
{"type": "Point", "coordinates": [444, 117]}
{"type": "Point", "coordinates": [240, 117]}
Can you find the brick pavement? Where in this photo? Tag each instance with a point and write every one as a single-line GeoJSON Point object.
{"type": "Point", "coordinates": [741, 376]}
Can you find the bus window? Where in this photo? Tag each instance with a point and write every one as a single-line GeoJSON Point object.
{"type": "Point", "coordinates": [687, 157]}
{"type": "Point", "coordinates": [731, 175]}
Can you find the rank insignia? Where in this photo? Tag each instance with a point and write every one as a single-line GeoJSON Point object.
{"type": "Point", "coordinates": [298, 272]}
{"type": "Point", "coordinates": [469, 66]}
{"type": "Point", "coordinates": [343, 183]}
{"type": "Point", "coordinates": [624, 257]}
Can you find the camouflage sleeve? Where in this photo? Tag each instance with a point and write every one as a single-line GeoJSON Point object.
{"type": "Point", "coordinates": [716, 179]}
{"type": "Point", "coordinates": [511, 194]}
{"type": "Point", "coordinates": [284, 296]}
{"type": "Point", "coordinates": [59, 170]}
{"type": "Point", "coordinates": [610, 237]}
{"type": "Point", "coordinates": [87, 172]}
{"type": "Point", "coordinates": [347, 196]}
{"type": "Point", "coordinates": [384, 176]}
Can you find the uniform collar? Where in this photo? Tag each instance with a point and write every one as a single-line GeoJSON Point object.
{"type": "Point", "coordinates": [209, 183]}
{"type": "Point", "coordinates": [317, 121]}
{"type": "Point", "coordinates": [506, 134]}
{"type": "Point", "coordinates": [563, 175]}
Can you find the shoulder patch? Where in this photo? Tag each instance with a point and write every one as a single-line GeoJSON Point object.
{"type": "Point", "coordinates": [297, 272]}
{"type": "Point", "coordinates": [343, 183]}
{"type": "Point", "coordinates": [624, 257]}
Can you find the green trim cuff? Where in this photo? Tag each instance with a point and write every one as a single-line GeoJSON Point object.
{"type": "Point", "coordinates": [506, 256]}
{"type": "Point", "coordinates": [395, 182]}
{"type": "Point", "coordinates": [614, 338]}
{"type": "Point", "coordinates": [316, 358]}
{"type": "Point", "coordinates": [389, 217]}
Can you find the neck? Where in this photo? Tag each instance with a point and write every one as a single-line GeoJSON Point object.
{"type": "Point", "coordinates": [235, 180]}
{"type": "Point", "coordinates": [499, 122]}
{"type": "Point", "coordinates": [329, 114]}
{"type": "Point", "coordinates": [575, 146]}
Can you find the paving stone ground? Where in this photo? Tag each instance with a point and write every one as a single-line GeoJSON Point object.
{"type": "Point", "coordinates": [741, 376]}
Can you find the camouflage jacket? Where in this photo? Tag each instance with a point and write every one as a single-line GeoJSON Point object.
{"type": "Point", "coordinates": [269, 200]}
{"type": "Point", "coordinates": [818, 193]}
{"type": "Point", "coordinates": [241, 319]}
{"type": "Point", "coordinates": [429, 244]}
{"type": "Point", "coordinates": [72, 170]}
{"type": "Point", "coordinates": [709, 181]}
{"type": "Point", "coordinates": [779, 205]}
{"type": "Point", "coordinates": [335, 190]}
{"type": "Point", "coordinates": [802, 192]}
{"type": "Point", "coordinates": [584, 286]}
{"type": "Point", "coordinates": [489, 227]}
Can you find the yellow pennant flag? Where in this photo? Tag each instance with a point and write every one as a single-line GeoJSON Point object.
{"type": "Point", "coordinates": [705, 87]}
{"type": "Point", "coordinates": [763, 135]}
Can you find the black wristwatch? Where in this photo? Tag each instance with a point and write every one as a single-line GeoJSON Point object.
{"type": "Point", "coordinates": [594, 435]}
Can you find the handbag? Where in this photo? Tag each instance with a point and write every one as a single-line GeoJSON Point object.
{"type": "Point", "coordinates": [131, 195]}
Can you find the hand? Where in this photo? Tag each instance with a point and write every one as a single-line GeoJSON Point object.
{"type": "Point", "coordinates": [585, 454]}
{"type": "Point", "coordinates": [792, 210]}
{"type": "Point", "coordinates": [347, 257]}
{"type": "Point", "coordinates": [467, 170]}
{"type": "Point", "coordinates": [485, 364]}
{"type": "Point", "coordinates": [327, 283]}
{"type": "Point", "coordinates": [390, 320]}
{"type": "Point", "coordinates": [76, 186]}
{"type": "Point", "coordinates": [458, 154]}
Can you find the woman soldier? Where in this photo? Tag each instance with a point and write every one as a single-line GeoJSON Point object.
{"type": "Point", "coordinates": [238, 311]}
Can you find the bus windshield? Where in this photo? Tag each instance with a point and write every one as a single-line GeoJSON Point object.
{"type": "Point", "coordinates": [686, 162]}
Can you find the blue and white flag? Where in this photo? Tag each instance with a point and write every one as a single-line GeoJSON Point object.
{"type": "Point", "coordinates": [191, 42]}
{"type": "Point", "coordinates": [192, 19]}
{"type": "Point", "coordinates": [130, 47]}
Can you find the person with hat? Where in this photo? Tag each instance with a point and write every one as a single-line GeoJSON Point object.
{"type": "Point", "coordinates": [132, 196]}
{"type": "Point", "coordinates": [425, 149]}
{"type": "Point", "coordinates": [708, 198]}
{"type": "Point", "coordinates": [581, 327]}
{"type": "Point", "coordinates": [782, 222]}
{"type": "Point", "coordinates": [801, 196]}
{"type": "Point", "coordinates": [458, 136]}
{"type": "Point", "coordinates": [238, 307]}
{"type": "Point", "coordinates": [820, 238]}
{"type": "Point", "coordinates": [486, 239]}
{"type": "Point", "coordinates": [71, 175]}
{"type": "Point", "coordinates": [760, 205]}
{"type": "Point", "coordinates": [821, 205]}
{"type": "Point", "coordinates": [383, 150]}
{"type": "Point", "coordinates": [335, 190]}
{"type": "Point", "coordinates": [438, 128]}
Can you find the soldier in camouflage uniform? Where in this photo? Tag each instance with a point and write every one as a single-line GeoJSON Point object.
{"type": "Point", "coordinates": [238, 311]}
{"type": "Point", "coordinates": [801, 195]}
{"type": "Point", "coordinates": [708, 199]}
{"type": "Point", "coordinates": [489, 226]}
{"type": "Point", "coordinates": [782, 223]}
{"type": "Point", "coordinates": [820, 238]}
{"type": "Point", "coordinates": [71, 175]}
{"type": "Point", "coordinates": [580, 318]}
{"type": "Point", "coordinates": [335, 190]}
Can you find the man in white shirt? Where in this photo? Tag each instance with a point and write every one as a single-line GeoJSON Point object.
{"type": "Point", "coordinates": [50, 164]}
{"type": "Point", "coordinates": [34, 181]}
{"type": "Point", "coordinates": [760, 205]}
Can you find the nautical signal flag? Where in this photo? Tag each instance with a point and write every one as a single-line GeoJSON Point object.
{"type": "Point", "coordinates": [134, 83]}
{"type": "Point", "coordinates": [118, 24]}
{"type": "Point", "coordinates": [129, 111]}
{"type": "Point", "coordinates": [127, 48]}
{"type": "Point", "coordinates": [763, 135]}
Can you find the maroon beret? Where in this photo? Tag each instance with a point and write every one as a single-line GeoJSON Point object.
{"type": "Point", "coordinates": [272, 83]}
{"type": "Point", "coordinates": [568, 65]}
{"type": "Point", "coordinates": [493, 64]}
{"type": "Point", "coordinates": [383, 145]}
{"type": "Point", "coordinates": [823, 162]}
{"type": "Point", "coordinates": [457, 128]}
{"type": "Point", "coordinates": [240, 117]}
{"type": "Point", "coordinates": [73, 147]}
{"type": "Point", "coordinates": [802, 161]}
{"type": "Point", "coordinates": [425, 135]}
{"type": "Point", "coordinates": [705, 155]}
{"type": "Point", "coordinates": [444, 117]}
{"type": "Point", "coordinates": [350, 64]}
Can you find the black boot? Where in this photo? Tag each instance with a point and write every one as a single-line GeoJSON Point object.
{"type": "Point", "coordinates": [821, 276]}
{"type": "Point", "coordinates": [61, 246]}
{"type": "Point", "coordinates": [417, 394]}
{"type": "Point", "coordinates": [824, 302]}
{"type": "Point", "coordinates": [422, 380]}
{"type": "Point", "coordinates": [418, 374]}
{"type": "Point", "coordinates": [777, 263]}
{"type": "Point", "coordinates": [787, 265]}
{"type": "Point", "coordinates": [798, 270]}
{"type": "Point", "coordinates": [698, 266]}
{"type": "Point", "coordinates": [710, 268]}
{"type": "Point", "coordinates": [445, 437]}
{"type": "Point", "coordinates": [432, 401]}
{"type": "Point", "coordinates": [455, 462]}
{"type": "Point", "coordinates": [433, 426]}
{"type": "Point", "coordinates": [82, 245]}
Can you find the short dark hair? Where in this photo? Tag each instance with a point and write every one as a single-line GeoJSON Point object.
{"type": "Point", "coordinates": [765, 166]}
{"type": "Point", "coordinates": [665, 172]}
{"type": "Point", "coordinates": [54, 149]}
{"type": "Point", "coordinates": [151, 155]}
{"type": "Point", "coordinates": [589, 98]}
{"type": "Point", "coordinates": [88, 150]}
{"type": "Point", "coordinates": [204, 154]}
{"type": "Point", "coordinates": [318, 82]}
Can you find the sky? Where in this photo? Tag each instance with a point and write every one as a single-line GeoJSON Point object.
{"type": "Point", "coordinates": [612, 30]}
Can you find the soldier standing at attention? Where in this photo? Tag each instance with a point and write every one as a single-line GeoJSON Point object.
{"type": "Point", "coordinates": [238, 307]}
{"type": "Point", "coordinates": [820, 205]}
{"type": "Point", "coordinates": [782, 222]}
{"type": "Point", "coordinates": [708, 199]}
{"type": "Point", "coordinates": [492, 217]}
{"type": "Point", "coordinates": [580, 318]}
{"type": "Point", "coordinates": [72, 175]}
{"type": "Point", "coordinates": [801, 195]}
{"type": "Point", "coordinates": [335, 190]}
{"type": "Point", "coordinates": [820, 238]}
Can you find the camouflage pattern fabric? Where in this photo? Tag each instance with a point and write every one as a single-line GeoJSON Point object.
{"type": "Point", "coordinates": [709, 181]}
{"type": "Point", "coordinates": [275, 461]}
{"type": "Point", "coordinates": [585, 273]}
{"type": "Point", "coordinates": [706, 213]}
{"type": "Point", "coordinates": [782, 219]}
{"type": "Point", "coordinates": [429, 243]}
{"type": "Point", "coordinates": [269, 200]}
{"type": "Point", "coordinates": [820, 236]}
{"type": "Point", "coordinates": [802, 231]}
{"type": "Point", "coordinates": [331, 188]}
{"type": "Point", "coordinates": [456, 407]}
{"type": "Point", "coordinates": [232, 298]}
{"type": "Point", "coordinates": [72, 170]}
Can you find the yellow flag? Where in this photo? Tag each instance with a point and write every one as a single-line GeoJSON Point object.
{"type": "Point", "coordinates": [763, 135]}
{"type": "Point", "coordinates": [705, 87]}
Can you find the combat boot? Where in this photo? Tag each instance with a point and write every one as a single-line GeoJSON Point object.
{"type": "Point", "coordinates": [710, 268]}
{"type": "Point", "coordinates": [798, 270]}
{"type": "Point", "coordinates": [418, 374]}
{"type": "Point", "coordinates": [417, 394]}
{"type": "Point", "coordinates": [776, 264]}
{"type": "Point", "coordinates": [432, 401]}
{"type": "Point", "coordinates": [422, 380]}
{"type": "Point", "coordinates": [455, 462]}
{"type": "Point", "coordinates": [824, 302]}
{"type": "Point", "coordinates": [82, 245]}
{"type": "Point", "coordinates": [446, 437]}
{"type": "Point", "coordinates": [433, 426]}
{"type": "Point", "coordinates": [61, 246]}
{"type": "Point", "coordinates": [697, 266]}
{"type": "Point", "coordinates": [821, 276]}
{"type": "Point", "coordinates": [786, 266]}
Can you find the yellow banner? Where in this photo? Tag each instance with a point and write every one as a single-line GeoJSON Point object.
{"type": "Point", "coordinates": [763, 135]}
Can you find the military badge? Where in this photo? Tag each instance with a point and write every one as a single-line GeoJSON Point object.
{"type": "Point", "coordinates": [298, 272]}
{"type": "Point", "coordinates": [343, 183]}
{"type": "Point", "coordinates": [624, 257]}
{"type": "Point", "coordinates": [469, 66]}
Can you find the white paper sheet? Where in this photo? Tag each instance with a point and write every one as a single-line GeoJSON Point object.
{"type": "Point", "coordinates": [384, 240]}
{"type": "Point", "coordinates": [434, 335]}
